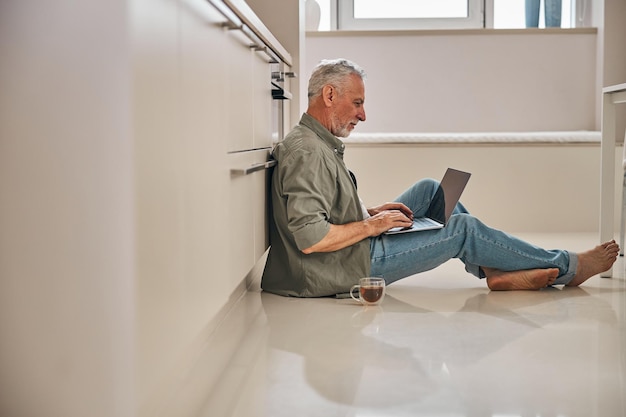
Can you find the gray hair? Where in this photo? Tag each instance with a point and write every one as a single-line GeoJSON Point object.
{"type": "Point", "coordinates": [334, 72]}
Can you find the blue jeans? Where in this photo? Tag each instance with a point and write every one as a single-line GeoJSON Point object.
{"type": "Point", "coordinates": [552, 13]}
{"type": "Point", "coordinates": [394, 257]}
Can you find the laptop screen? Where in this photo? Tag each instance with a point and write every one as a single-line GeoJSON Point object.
{"type": "Point", "coordinates": [453, 183]}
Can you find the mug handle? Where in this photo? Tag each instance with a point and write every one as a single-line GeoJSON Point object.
{"type": "Point", "coordinates": [352, 292]}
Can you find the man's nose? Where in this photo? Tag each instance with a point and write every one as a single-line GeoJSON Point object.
{"type": "Point", "coordinates": [361, 115]}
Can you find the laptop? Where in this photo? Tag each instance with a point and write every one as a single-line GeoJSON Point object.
{"type": "Point", "coordinates": [449, 193]}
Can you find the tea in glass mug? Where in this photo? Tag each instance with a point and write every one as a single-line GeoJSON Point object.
{"type": "Point", "coordinates": [371, 291]}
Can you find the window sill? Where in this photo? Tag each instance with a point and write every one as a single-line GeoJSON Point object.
{"type": "Point", "coordinates": [474, 138]}
{"type": "Point", "coordinates": [453, 32]}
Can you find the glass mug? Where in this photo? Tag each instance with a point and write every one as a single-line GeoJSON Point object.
{"type": "Point", "coordinates": [371, 291]}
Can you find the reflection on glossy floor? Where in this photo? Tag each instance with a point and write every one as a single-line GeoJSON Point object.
{"type": "Point", "coordinates": [441, 344]}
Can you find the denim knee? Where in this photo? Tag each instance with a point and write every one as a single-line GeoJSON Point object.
{"type": "Point", "coordinates": [419, 195]}
{"type": "Point", "coordinates": [426, 186]}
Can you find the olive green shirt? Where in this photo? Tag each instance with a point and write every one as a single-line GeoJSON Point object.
{"type": "Point", "coordinates": [312, 189]}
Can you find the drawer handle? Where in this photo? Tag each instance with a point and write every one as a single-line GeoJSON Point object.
{"type": "Point", "coordinates": [253, 168]}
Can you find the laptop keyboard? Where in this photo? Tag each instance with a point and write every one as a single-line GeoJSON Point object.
{"type": "Point", "coordinates": [424, 221]}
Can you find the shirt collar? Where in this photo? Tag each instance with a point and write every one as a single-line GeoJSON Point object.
{"type": "Point", "coordinates": [324, 134]}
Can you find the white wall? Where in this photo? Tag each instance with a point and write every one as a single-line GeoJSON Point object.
{"type": "Point", "coordinates": [478, 81]}
{"type": "Point", "coordinates": [516, 188]}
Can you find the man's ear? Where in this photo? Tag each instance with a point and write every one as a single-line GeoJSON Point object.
{"type": "Point", "coordinates": [329, 94]}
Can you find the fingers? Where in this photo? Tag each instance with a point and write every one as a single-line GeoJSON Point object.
{"type": "Point", "coordinates": [392, 218]}
{"type": "Point", "coordinates": [401, 207]}
{"type": "Point", "coordinates": [392, 206]}
{"type": "Point", "coordinates": [398, 218]}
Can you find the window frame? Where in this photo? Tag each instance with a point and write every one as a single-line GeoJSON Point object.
{"type": "Point", "coordinates": [580, 17]}
{"type": "Point", "coordinates": [476, 19]}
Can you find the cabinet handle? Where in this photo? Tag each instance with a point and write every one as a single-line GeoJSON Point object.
{"type": "Point", "coordinates": [279, 76]}
{"type": "Point", "coordinates": [259, 48]}
{"type": "Point", "coordinates": [232, 26]}
{"type": "Point", "coordinates": [279, 93]}
{"type": "Point", "coordinates": [253, 168]}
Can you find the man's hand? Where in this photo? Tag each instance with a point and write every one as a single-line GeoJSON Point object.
{"type": "Point", "coordinates": [391, 206]}
{"type": "Point", "coordinates": [388, 219]}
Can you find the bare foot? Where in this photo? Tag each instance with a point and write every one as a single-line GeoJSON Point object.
{"type": "Point", "coordinates": [595, 261]}
{"type": "Point", "coordinates": [529, 279]}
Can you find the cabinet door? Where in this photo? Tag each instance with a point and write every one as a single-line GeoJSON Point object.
{"type": "Point", "coordinates": [199, 140]}
{"type": "Point", "coordinates": [248, 203]}
{"type": "Point", "coordinates": [239, 92]}
{"type": "Point", "coordinates": [248, 95]}
{"type": "Point", "coordinates": [179, 173]}
{"type": "Point", "coordinates": [262, 101]}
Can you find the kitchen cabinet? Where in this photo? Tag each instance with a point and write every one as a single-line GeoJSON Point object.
{"type": "Point", "coordinates": [249, 126]}
{"type": "Point", "coordinates": [135, 205]}
{"type": "Point", "coordinates": [248, 204]}
{"type": "Point", "coordinates": [203, 121]}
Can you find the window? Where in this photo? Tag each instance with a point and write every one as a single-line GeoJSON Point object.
{"type": "Point", "coordinates": [409, 14]}
{"type": "Point", "coordinates": [438, 14]}
{"type": "Point", "coordinates": [510, 14]}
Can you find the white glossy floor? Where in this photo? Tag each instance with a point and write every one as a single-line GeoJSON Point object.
{"type": "Point", "coordinates": [441, 344]}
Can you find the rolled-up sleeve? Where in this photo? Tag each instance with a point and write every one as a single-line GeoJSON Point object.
{"type": "Point", "coordinates": [308, 185]}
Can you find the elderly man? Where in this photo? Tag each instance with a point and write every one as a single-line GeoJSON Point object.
{"type": "Point", "coordinates": [323, 239]}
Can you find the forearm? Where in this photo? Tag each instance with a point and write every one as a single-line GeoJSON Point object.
{"type": "Point", "coordinates": [342, 236]}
